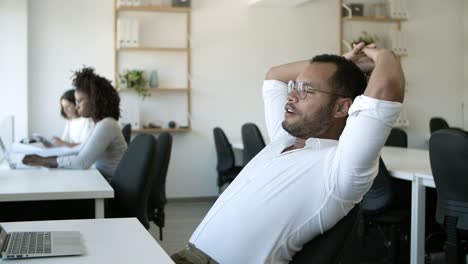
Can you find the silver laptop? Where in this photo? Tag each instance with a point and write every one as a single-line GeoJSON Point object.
{"type": "Point", "coordinates": [11, 164]}
{"type": "Point", "coordinates": [18, 245]}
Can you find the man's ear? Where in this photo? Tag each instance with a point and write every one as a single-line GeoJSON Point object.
{"type": "Point", "coordinates": [342, 106]}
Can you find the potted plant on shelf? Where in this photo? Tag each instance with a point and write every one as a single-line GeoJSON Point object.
{"type": "Point", "coordinates": [135, 79]}
{"type": "Point", "coordinates": [365, 37]}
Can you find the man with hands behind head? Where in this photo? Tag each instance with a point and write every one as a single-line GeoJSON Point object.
{"type": "Point", "coordinates": [327, 127]}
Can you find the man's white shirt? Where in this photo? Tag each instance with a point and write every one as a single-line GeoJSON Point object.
{"type": "Point", "coordinates": [280, 201]}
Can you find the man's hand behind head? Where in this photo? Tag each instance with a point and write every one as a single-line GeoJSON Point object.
{"type": "Point", "coordinates": [364, 62]}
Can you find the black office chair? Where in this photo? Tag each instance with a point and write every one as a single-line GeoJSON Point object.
{"type": "Point", "coordinates": [252, 140]}
{"type": "Point", "coordinates": [227, 170]}
{"type": "Point", "coordinates": [448, 151]}
{"type": "Point", "coordinates": [380, 209]}
{"type": "Point", "coordinates": [158, 195]}
{"type": "Point", "coordinates": [437, 123]}
{"type": "Point", "coordinates": [132, 180]}
{"type": "Point", "coordinates": [127, 132]}
{"type": "Point", "coordinates": [334, 245]}
{"type": "Point", "coordinates": [397, 138]}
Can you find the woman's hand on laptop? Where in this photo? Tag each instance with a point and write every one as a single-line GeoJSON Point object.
{"type": "Point", "coordinates": [35, 160]}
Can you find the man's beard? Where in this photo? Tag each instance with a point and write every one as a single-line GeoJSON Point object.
{"type": "Point", "coordinates": [313, 127]}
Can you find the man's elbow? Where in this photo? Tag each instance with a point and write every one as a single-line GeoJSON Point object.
{"type": "Point", "coordinates": [388, 90]}
{"type": "Point", "coordinates": [272, 73]}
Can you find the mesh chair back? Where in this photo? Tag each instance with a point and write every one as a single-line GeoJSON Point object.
{"type": "Point", "coordinates": [330, 247]}
{"type": "Point", "coordinates": [127, 133]}
{"type": "Point", "coordinates": [158, 194]}
{"type": "Point", "coordinates": [448, 151]}
{"type": "Point", "coordinates": [437, 123]}
{"type": "Point", "coordinates": [397, 138]}
{"type": "Point", "coordinates": [379, 196]}
{"type": "Point", "coordinates": [224, 153]}
{"type": "Point", "coordinates": [252, 140]}
{"type": "Point", "coordinates": [132, 181]}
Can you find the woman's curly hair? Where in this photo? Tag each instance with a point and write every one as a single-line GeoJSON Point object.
{"type": "Point", "coordinates": [104, 99]}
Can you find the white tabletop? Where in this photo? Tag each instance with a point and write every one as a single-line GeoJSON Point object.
{"type": "Point", "coordinates": [405, 163]}
{"type": "Point", "coordinates": [52, 184]}
{"type": "Point", "coordinates": [118, 240]}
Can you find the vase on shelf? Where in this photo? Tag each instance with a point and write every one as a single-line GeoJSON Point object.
{"type": "Point", "coordinates": [154, 80]}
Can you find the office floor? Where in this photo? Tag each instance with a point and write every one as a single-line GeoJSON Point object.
{"type": "Point", "coordinates": [182, 218]}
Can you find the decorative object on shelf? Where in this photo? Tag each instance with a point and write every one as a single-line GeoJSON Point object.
{"type": "Point", "coordinates": [154, 80]}
{"type": "Point", "coordinates": [357, 9]}
{"type": "Point", "coordinates": [181, 3]}
{"type": "Point", "coordinates": [171, 124]}
{"type": "Point", "coordinates": [151, 125]}
{"type": "Point", "coordinates": [135, 79]}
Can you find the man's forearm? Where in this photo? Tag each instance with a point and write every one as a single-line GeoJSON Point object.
{"type": "Point", "coordinates": [387, 80]}
{"type": "Point", "coordinates": [286, 72]}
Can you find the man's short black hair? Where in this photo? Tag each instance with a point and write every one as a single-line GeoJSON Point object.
{"type": "Point", "coordinates": [104, 99]}
{"type": "Point", "coordinates": [348, 79]}
{"type": "Point", "coordinates": [68, 96]}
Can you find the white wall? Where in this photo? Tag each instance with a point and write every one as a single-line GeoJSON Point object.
{"type": "Point", "coordinates": [434, 67]}
{"type": "Point", "coordinates": [14, 63]}
{"type": "Point", "coordinates": [233, 46]}
{"type": "Point", "coordinates": [64, 36]}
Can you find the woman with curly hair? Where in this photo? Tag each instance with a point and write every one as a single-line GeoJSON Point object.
{"type": "Point", "coordinates": [97, 99]}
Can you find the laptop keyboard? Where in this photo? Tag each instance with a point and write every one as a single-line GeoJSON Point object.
{"type": "Point", "coordinates": [30, 243]}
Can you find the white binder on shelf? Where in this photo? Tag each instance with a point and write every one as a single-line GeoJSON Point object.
{"type": "Point", "coordinates": [403, 9]}
{"type": "Point", "coordinates": [134, 33]}
{"type": "Point", "coordinates": [126, 32]}
{"type": "Point", "coordinates": [399, 42]}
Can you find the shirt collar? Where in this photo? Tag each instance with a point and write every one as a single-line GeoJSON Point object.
{"type": "Point", "coordinates": [320, 143]}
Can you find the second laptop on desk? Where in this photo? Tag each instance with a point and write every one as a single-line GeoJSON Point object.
{"type": "Point", "coordinates": [17, 245]}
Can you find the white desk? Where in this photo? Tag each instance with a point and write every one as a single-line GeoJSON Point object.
{"type": "Point", "coordinates": [118, 240]}
{"type": "Point", "coordinates": [55, 184]}
{"type": "Point", "coordinates": [412, 165]}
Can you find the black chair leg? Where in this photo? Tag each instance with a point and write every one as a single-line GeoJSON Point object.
{"type": "Point", "coordinates": [159, 217]}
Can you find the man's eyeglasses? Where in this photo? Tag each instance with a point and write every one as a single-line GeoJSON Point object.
{"type": "Point", "coordinates": [303, 88]}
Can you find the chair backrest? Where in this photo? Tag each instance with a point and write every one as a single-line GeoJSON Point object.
{"type": "Point", "coordinates": [127, 133]}
{"type": "Point", "coordinates": [224, 153]}
{"type": "Point", "coordinates": [437, 123]}
{"type": "Point", "coordinates": [379, 196]}
{"type": "Point", "coordinates": [132, 180]}
{"type": "Point", "coordinates": [397, 138]}
{"type": "Point", "coordinates": [328, 247]}
{"type": "Point", "coordinates": [448, 151]}
{"type": "Point", "coordinates": [252, 140]}
{"type": "Point", "coordinates": [158, 194]}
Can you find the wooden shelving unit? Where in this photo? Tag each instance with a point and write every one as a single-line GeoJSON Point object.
{"type": "Point", "coordinates": [155, 49]}
{"type": "Point", "coordinates": [156, 90]}
{"type": "Point", "coordinates": [371, 19]}
{"type": "Point", "coordinates": [159, 130]}
{"type": "Point", "coordinates": [164, 9]}
{"type": "Point", "coordinates": [150, 49]}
